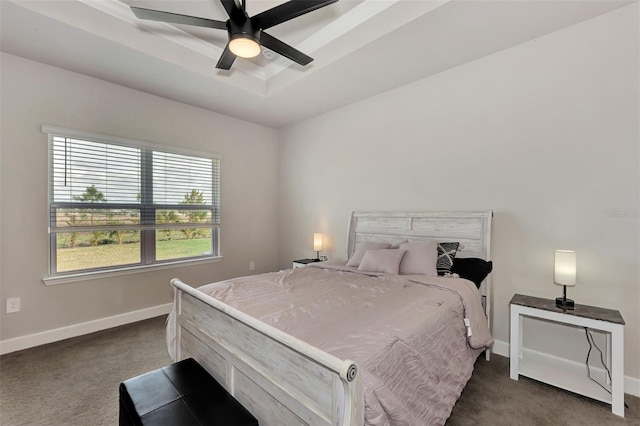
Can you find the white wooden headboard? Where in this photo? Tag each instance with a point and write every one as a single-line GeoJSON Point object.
{"type": "Point", "coordinates": [473, 229]}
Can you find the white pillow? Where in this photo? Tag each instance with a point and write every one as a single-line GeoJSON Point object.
{"type": "Point", "coordinates": [386, 261]}
{"type": "Point", "coordinates": [421, 257]}
{"type": "Point", "coordinates": [359, 254]}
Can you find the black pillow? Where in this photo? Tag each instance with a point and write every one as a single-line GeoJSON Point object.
{"type": "Point", "coordinates": [472, 268]}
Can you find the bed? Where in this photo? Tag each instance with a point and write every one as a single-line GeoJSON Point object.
{"type": "Point", "coordinates": [339, 346]}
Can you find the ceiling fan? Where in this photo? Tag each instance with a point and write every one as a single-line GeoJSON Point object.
{"type": "Point", "coordinates": [246, 34]}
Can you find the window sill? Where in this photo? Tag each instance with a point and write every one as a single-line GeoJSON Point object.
{"type": "Point", "coordinates": [85, 276]}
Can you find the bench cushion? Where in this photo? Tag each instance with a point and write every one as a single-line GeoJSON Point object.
{"type": "Point", "coordinates": [180, 394]}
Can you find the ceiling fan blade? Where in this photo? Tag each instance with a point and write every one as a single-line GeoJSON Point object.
{"type": "Point", "coordinates": [226, 59]}
{"type": "Point", "coordinates": [284, 49]}
{"type": "Point", "coordinates": [287, 11]}
{"type": "Point", "coordinates": [233, 9]}
{"type": "Point", "coordinates": [175, 18]}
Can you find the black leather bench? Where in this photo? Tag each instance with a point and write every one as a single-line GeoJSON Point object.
{"type": "Point", "coordinates": [180, 394]}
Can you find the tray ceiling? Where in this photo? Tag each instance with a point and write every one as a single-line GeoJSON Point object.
{"type": "Point", "coordinates": [360, 47]}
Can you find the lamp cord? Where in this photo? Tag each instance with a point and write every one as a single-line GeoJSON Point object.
{"type": "Point", "coordinates": [592, 343]}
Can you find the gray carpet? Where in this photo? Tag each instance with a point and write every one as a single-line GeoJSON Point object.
{"type": "Point", "coordinates": [492, 398]}
{"type": "Point", "coordinates": [75, 382]}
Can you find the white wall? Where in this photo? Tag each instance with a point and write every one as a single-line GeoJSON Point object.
{"type": "Point", "coordinates": [546, 134]}
{"type": "Point", "coordinates": [34, 94]}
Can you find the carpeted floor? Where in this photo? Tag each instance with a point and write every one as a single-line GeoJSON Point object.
{"type": "Point", "coordinates": [492, 398]}
{"type": "Point", "coordinates": [75, 382]}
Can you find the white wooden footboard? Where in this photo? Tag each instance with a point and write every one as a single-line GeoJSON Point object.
{"type": "Point", "coordinates": [280, 379]}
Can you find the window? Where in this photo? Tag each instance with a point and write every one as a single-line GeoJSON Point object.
{"type": "Point", "coordinates": [117, 204]}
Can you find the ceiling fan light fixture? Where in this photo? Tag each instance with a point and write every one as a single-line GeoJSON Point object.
{"type": "Point", "coordinates": [244, 46]}
{"type": "Point", "coordinates": [246, 34]}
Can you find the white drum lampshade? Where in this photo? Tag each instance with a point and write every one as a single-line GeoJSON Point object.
{"type": "Point", "coordinates": [565, 275]}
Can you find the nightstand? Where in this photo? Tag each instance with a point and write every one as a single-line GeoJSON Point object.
{"type": "Point", "coordinates": [608, 320]}
{"type": "Point", "coordinates": [304, 262]}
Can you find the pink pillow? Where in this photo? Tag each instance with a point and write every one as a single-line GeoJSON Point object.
{"type": "Point", "coordinates": [386, 261]}
{"type": "Point", "coordinates": [359, 254]}
{"type": "Point", "coordinates": [420, 258]}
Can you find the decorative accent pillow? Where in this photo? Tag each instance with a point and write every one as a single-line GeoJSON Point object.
{"type": "Point", "coordinates": [359, 254]}
{"type": "Point", "coordinates": [472, 268]}
{"type": "Point", "coordinates": [446, 254]}
{"type": "Point", "coordinates": [420, 258]}
{"type": "Point", "coordinates": [386, 261]}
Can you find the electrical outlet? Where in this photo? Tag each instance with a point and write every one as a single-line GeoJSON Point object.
{"type": "Point", "coordinates": [13, 304]}
{"type": "Point", "coordinates": [252, 265]}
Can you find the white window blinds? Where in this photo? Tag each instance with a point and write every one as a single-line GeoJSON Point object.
{"type": "Point", "coordinates": [146, 199]}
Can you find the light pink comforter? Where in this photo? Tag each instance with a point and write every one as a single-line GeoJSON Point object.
{"type": "Point", "coordinates": [407, 337]}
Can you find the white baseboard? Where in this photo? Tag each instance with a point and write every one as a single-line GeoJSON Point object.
{"type": "Point", "coordinates": [501, 348]}
{"type": "Point", "coordinates": [631, 384]}
{"type": "Point", "coordinates": [57, 334]}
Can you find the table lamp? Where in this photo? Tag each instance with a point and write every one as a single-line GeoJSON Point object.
{"type": "Point", "coordinates": [565, 275]}
{"type": "Point", "coordinates": [317, 245]}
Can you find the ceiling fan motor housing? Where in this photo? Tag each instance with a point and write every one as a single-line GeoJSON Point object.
{"type": "Point", "coordinates": [246, 29]}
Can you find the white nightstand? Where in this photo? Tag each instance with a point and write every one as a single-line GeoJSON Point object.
{"type": "Point", "coordinates": [607, 320]}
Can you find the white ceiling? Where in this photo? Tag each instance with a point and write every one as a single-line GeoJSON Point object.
{"type": "Point", "coordinates": [360, 47]}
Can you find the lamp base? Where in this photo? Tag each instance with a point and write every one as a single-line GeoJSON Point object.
{"type": "Point", "coordinates": [563, 303]}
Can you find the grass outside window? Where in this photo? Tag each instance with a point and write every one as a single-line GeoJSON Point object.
{"type": "Point", "coordinates": [86, 255]}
